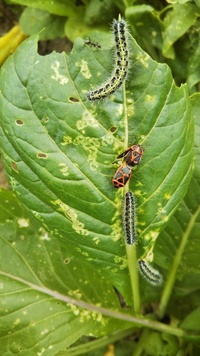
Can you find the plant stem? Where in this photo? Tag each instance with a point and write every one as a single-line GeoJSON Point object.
{"type": "Point", "coordinates": [167, 292]}
{"type": "Point", "coordinates": [131, 249]}
{"type": "Point", "coordinates": [139, 349]}
{"type": "Point", "coordinates": [133, 271]}
{"type": "Point", "coordinates": [125, 118]}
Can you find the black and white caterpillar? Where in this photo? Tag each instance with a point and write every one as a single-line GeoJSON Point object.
{"type": "Point", "coordinates": [120, 71]}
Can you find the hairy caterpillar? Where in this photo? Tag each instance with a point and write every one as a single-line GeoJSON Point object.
{"type": "Point", "coordinates": [149, 273]}
{"type": "Point", "coordinates": [128, 218]}
{"type": "Point", "coordinates": [121, 65]}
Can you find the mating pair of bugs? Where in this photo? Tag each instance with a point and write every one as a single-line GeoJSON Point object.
{"type": "Point", "coordinates": [132, 156]}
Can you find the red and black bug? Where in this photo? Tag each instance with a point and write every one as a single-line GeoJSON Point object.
{"type": "Point", "coordinates": [133, 155]}
{"type": "Point", "coordinates": [121, 176]}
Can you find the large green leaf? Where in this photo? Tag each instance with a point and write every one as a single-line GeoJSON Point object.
{"type": "Point", "coordinates": [58, 148]}
{"type": "Point", "coordinates": [178, 246]}
{"type": "Point", "coordinates": [184, 225]}
{"type": "Point", "coordinates": [36, 274]}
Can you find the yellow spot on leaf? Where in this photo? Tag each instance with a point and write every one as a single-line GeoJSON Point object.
{"type": "Point", "coordinates": [23, 222]}
{"type": "Point", "coordinates": [85, 70]}
{"type": "Point", "coordinates": [57, 76]}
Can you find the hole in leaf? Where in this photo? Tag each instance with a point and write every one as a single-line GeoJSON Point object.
{"type": "Point", "coordinates": [42, 155]}
{"type": "Point", "coordinates": [14, 166]}
{"type": "Point", "coordinates": [113, 129]}
{"type": "Point", "coordinates": [19, 122]}
{"type": "Point", "coordinates": [73, 100]}
{"type": "Point", "coordinates": [66, 261]}
{"type": "Point", "coordinates": [59, 45]}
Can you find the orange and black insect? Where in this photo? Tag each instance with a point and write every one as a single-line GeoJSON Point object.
{"type": "Point", "coordinates": [121, 176]}
{"type": "Point", "coordinates": [133, 155]}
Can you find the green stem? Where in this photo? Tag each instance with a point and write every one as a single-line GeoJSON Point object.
{"type": "Point", "coordinates": [139, 349]}
{"type": "Point", "coordinates": [167, 292]}
{"type": "Point", "coordinates": [125, 118]}
{"type": "Point", "coordinates": [133, 272]}
{"type": "Point", "coordinates": [131, 249]}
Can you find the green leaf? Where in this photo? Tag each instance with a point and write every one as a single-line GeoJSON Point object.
{"type": "Point", "coordinates": [177, 248]}
{"type": "Point", "coordinates": [185, 67]}
{"type": "Point", "coordinates": [178, 1]}
{"type": "Point", "coordinates": [176, 23]}
{"type": "Point", "coordinates": [145, 24]}
{"type": "Point", "coordinates": [184, 226]}
{"type": "Point", "coordinates": [10, 209]}
{"type": "Point", "coordinates": [81, 27]}
{"type": "Point", "coordinates": [191, 322]}
{"type": "Point", "coordinates": [99, 11]}
{"type": "Point", "coordinates": [58, 148]}
{"type": "Point", "coordinates": [158, 344]}
{"type": "Point", "coordinates": [56, 7]}
{"type": "Point", "coordinates": [193, 76]}
{"type": "Point", "coordinates": [34, 20]}
{"type": "Point", "coordinates": [36, 276]}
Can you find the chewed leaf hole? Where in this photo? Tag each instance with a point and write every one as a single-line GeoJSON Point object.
{"type": "Point", "coordinates": [73, 100]}
{"type": "Point", "coordinates": [42, 155]}
{"type": "Point", "coordinates": [113, 129]}
{"type": "Point", "coordinates": [66, 261]}
{"type": "Point", "coordinates": [14, 166]}
{"type": "Point", "coordinates": [19, 122]}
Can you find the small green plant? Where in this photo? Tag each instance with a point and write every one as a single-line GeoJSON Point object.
{"type": "Point", "coordinates": [62, 245]}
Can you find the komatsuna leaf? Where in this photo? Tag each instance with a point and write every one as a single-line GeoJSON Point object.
{"type": "Point", "coordinates": [36, 273]}
{"type": "Point", "coordinates": [59, 149]}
